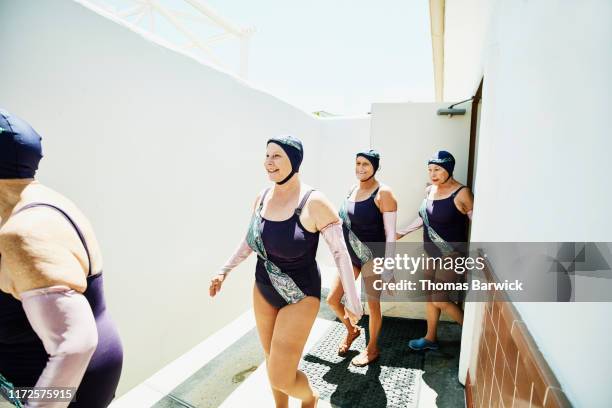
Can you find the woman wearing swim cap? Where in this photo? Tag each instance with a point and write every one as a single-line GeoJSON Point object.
{"type": "Point", "coordinates": [284, 233]}
{"type": "Point", "coordinates": [54, 327]}
{"type": "Point", "coordinates": [445, 214]}
{"type": "Point", "coordinates": [369, 215]}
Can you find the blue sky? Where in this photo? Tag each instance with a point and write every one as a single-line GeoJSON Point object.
{"type": "Point", "coordinates": [333, 55]}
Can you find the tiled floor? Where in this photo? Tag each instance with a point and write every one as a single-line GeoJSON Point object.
{"type": "Point", "coordinates": [235, 376]}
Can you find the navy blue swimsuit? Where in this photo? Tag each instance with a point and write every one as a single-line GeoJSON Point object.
{"type": "Point", "coordinates": [293, 249]}
{"type": "Point", "coordinates": [367, 224]}
{"type": "Point", "coordinates": [23, 356]}
{"type": "Point", "coordinates": [450, 223]}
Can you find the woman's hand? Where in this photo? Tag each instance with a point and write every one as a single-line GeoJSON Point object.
{"type": "Point", "coordinates": [352, 317]}
{"type": "Point", "coordinates": [215, 284]}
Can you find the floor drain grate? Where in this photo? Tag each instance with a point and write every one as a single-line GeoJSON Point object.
{"type": "Point", "coordinates": [392, 381]}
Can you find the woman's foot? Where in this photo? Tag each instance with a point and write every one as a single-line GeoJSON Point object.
{"type": "Point", "coordinates": [348, 340]}
{"type": "Point", "coordinates": [422, 344]}
{"type": "Point", "coordinates": [366, 357]}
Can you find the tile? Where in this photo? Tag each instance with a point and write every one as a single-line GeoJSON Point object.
{"type": "Point", "coordinates": [480, 380]}
{"type": "Point", "coordinates": [495, 314]}
{"type": "Point", "coordinates": [507, 386]}
{"type": "Point", "coordinates": [531, 363]}
{"type": "Point", "coordinates": [488, 309]}
{"type": "Point", "coordinates": [521, 401]}
{"type": "Point", "coordinates": [523, 387]}
{"type": "Point", "coordinates": [556, 398]}
{"type": "Point", "coordinates": [487, 372]}
{"type": "Point", "coordinates": [499, 362]}
{"type": "Point", "coordinates": [490, 338]}
{"type": "Point", "coordinates": [495, 394]}
{"type": "Point", "coordinates": [507, 343]}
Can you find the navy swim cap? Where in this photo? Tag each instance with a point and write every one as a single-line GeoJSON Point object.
{"type": "Point", "coordinates": [443, 159]}
{"type": "Point", "coordinates": [373, 156]}
{"type": "Point", "coordinates": [295, 151]}
{"type": "Point", "coordinates": [20, 148]}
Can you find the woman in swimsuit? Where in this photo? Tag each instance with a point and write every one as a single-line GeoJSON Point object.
{"type": "Point", "coordinates": [369, 215]}
{"type": "Point", "coordinates": [54, 327]}
{"type": "Point", "coordinates": [445, 213]}
{"type": "Point", "coordinates": [284, 232]}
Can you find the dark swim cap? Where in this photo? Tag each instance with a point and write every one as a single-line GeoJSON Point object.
{"type": "Point", "coordinates": [295, 151]}
{"type": "Point", "coordinates": [20, 148]}
{"type": "Point", "coordinates": [373, 156]}
{"type": "Point", "coordinates": [443, 159]}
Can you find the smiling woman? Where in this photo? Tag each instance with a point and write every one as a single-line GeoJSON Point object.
{"type": "Point", "coordinates": [287, 286]}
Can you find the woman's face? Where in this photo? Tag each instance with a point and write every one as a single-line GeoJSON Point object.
{"type": "Point", "coordinates": [363, 168]}
{"type": "Point", "coordinates": [277, 163]}
{"type": "Point", "coordinates": [437, 174]}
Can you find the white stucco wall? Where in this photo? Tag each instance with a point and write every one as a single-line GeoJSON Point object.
{"type": "Point", "coordinates": [406, 135]}
{"type": "Point", "coordinates": [464, 34]}
{"type": "Point", "coordinates": [542, 171]}
{"type": "Point", "coordinates": [164, 154]}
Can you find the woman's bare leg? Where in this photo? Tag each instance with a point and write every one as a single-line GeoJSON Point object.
{"type": "Point", "coordinates": [291, 330]}
{"type": "Point", "coordinates": [333, 300]}
{"type": "Point", "coordinates": [265, 316]}
{"type": "Point", "coordinates": [371, 351]}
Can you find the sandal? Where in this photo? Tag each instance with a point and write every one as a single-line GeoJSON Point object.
{"type": "Point", "coordinates": [348, 340]}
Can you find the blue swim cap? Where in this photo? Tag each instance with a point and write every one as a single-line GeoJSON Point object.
{"type": "Point", "coordinates": [20, 148]}
{"type": "Point", "coordinates": [443, 159]}
{"type": "Point", "coordinates": [295, 152]}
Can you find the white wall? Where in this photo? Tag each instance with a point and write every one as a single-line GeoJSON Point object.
{"type": "Point", "coordinates": [163, 153]}
{"type": "Point", "coordinates": [543, 171]}
{"type": "Point", "coordinates": [464, 33]}
{"type": "Point", "coordinates": [406, 135]}
{"type": "Point", "coordinates": [165, 156]}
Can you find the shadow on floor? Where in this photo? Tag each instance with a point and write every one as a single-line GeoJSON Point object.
{"type": "Point", "coordinates": [393, 380]}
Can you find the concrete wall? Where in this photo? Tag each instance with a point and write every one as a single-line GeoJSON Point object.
{"type": "Point", "coordinates": [406, 135]}
{"type": "Point", "coordinates": [464, 35]}
{"type": "Point", "coordinates": [164, 154]}
{"type": "Point", "coordinates": [542, 172]}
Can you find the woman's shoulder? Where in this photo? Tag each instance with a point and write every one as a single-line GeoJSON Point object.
{"type": "Point", "coordinates": [463, 194]}
{"type": "Point", "coordinates": [385, 190]}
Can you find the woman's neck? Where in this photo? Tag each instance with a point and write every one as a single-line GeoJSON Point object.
{"type": "Point", "coordinates": [11, 193]}
{"type": "Point", "coordinates": [368, 184]}
{"type": "Point", "coordinates": [447, 186]}
{"type": "Point", "coordinates": [289, 187]}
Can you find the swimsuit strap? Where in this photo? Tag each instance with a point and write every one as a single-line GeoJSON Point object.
{"type": "Point", "coordinates": [70, 220]}
{"type": "Point", "coordinates": [263, 196]}
{"type": "Point", "coordinates": [375, 192]}
{"type": "Point", "coordinates": [457, 191]}
{"type": "Point", "coordinates": [299, 208]}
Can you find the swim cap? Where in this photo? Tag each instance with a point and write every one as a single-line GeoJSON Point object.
{"type": "Point", "coordinates": [443, 159]}
{"type": "Point", "coordinates": [373, 156]}
{"type": "Point", "coordinates": [292, 146]}
{"type": "Point", "coordinates": [20, 148]}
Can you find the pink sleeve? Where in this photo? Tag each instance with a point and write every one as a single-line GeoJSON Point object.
{"type": "Point", "coordinates": [241, 253]}
{"type": "Point", "coordinates": [63, 320]}
{"type": "Point", "coordinates": [335, 240]}
{"type": "Point", "coordinates": [389, 221]}
{"type": "Point", "coordinates": [415, 225]}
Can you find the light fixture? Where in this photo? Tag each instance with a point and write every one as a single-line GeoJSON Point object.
{"type": "Point", "coordinates": [451, 110]}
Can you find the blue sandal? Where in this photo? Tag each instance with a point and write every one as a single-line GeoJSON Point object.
{"type": "Point", "coordinates": [422, 344]}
